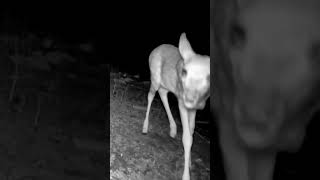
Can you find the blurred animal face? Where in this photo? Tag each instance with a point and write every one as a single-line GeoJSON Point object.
{"type": "Point", "coordinates": [274, 70]}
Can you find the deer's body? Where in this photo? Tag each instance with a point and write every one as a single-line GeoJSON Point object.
{"type": "Point", "coordinates": [267, 80]}
{"type": "Point", "coordinates": [185, 74]}
{"type": "Point", "coordinates": [163, 61]}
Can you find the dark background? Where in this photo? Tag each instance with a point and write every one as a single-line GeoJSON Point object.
{"type": "Point", "coordinates": [141, 27]}
{"type": "Point", "coordinates": [125, 33]}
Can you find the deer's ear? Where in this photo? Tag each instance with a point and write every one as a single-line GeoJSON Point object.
{"type": "Point", "coordinates": [185, 48]}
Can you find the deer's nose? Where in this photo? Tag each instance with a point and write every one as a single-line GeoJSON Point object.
{"type": "Point", "coordinates": [191, 96]}
{"type": "Point", "coordinates": [252, 116]}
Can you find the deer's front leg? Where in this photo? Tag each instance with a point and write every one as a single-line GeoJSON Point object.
{"type": "Point", "coordinates": [192, 117]}
{"type": "Point", "coordinates": [186, 139]}
{"type": "Point", "coordinates": [243, 163]}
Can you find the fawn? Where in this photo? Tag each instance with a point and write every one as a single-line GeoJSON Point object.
{"type": "Point", "coordinates": [187, 75]}
{"type": "Point", "coordinates": [266, 77]}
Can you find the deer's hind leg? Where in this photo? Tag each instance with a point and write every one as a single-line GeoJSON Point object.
{"type": "Point", "coordinates": [153, 89]}
{"type": "Point", "coordinates": [164, 98]}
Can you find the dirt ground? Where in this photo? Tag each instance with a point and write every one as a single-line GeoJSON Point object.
{"type": "Point", "coordinates": [66, 146]}
{"type": "Point", "coordinates": [154, 156]}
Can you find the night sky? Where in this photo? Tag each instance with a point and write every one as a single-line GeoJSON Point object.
{"type": "Point", "coordinates": [125, 33]}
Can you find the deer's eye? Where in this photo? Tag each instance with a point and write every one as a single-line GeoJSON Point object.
{"type": "Point", "coordinates": [237, 35]}
{"type": "Point", "coordinates": [184, 72]}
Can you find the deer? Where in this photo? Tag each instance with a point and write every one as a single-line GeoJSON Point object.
{"type": "Point", "coordinates": [266, 76]}
{"type": "Point", "coordinates": [184, 73]}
